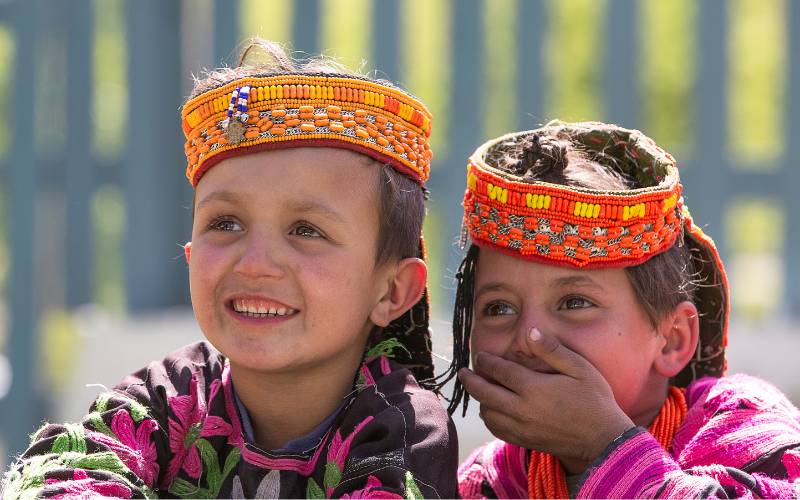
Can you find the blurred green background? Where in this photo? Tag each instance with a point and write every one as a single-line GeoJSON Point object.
{"type": "Point", "coordinates": [93, 203]}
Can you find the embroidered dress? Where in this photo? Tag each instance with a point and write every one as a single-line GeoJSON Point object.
{"type": "Point", "coordinates": [740, 438]}
{"type": "Point", "coordinates": [174, 429]}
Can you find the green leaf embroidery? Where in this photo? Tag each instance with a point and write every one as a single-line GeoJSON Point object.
{"type": "Point", "coordinates": [386, 348]}
{"type": "Point", "coordinates": [96, 421]}
{"type": "Point", "coordinates": [211, 463]}
{"type": "Point", "coordinates": [332, 475]}
{"type": "Point", "coordinates": [412, 490]}
{"type": "Point", "coordinates": [230, 462]}
{"type": "Point", "coordinates": [313, 490]}
{"type": "Point", "coordinates": [184, 489]}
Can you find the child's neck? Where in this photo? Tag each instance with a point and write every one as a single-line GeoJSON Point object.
{"type": "Point", "coordinates": [286, 406]}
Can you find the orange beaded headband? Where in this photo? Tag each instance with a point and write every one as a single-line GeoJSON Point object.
{"type": "Point", "coordinates": [287, 110]}
{"type": "Point", "coordinates": [579, 227]}
{"type": "Point", "coordinates": [586, 228]}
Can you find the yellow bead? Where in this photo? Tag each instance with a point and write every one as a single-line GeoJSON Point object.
{"type": "Point", "coordinates": [596, 211]}
{"type": "Point", "coordinates": [490, 190]}
{"type": "Point", "coordinates": [381, 100]}
{"type": "Point", "coordinates": [472, 181]}
{"type": "Point", "coordinates": [279, 91]}
{"type": "Point", "coordinates": [312, 92]}
{"type": "Point", "coordinates": [528, 200]}
{"type": "Point", "coordinates": [577, 208]}
{"type": "Point", "coordinates": [626, 213]}
{"type": "Point", "coordinates": [504, 197]}
{"type": "Point", "coordinates": [584, 207]}
{"type": "Point", "coordinates": [539, 201]}
{"type": "Point", "coordinates": [547, 201]}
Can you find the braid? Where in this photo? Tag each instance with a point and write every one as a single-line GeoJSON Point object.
{"type": "Point", "coordinates": [462, 327]}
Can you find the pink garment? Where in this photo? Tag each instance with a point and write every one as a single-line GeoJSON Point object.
{"type": "Point", "coordinates": [741, 438]}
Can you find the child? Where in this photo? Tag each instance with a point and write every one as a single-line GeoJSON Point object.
{"type": "Point", "coordinates": [307, 279]}
{"type": "Point", "coordinates": [596, 312]}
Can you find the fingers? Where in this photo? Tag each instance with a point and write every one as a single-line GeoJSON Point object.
{"type": "Point", "coordinates": [506, 373]}
{"type": "Point", "coordinates": [499, 424]}
{"type": "Point", "coordinates": [556, 354]}
{"type": "Point", "coordinates": [487, 393]}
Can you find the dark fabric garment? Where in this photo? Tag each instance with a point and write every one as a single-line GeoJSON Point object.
{"type": "Point", "coordinates": [173, 429]}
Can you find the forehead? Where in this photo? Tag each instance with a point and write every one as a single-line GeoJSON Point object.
{"type": "Point", "coordinates": [338, 175]}
{"type": "Point", "coordinates": [514, 272]}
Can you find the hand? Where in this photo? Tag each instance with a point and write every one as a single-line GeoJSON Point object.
{"type": "Point", "coordinates": [571, 414]}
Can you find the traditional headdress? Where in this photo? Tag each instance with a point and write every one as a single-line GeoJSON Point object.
{"type": "Point", "coordinates": [587, 229]}
{"type": "Point", "coordinates": [285, 110]}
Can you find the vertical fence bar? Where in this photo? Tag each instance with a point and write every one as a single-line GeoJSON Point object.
{"type": "Point", "coordinates": [21, 407]}
{"type": "Point", "coordinates": [385, 38]}
{"type": "Point", "coordinates": [79, 178]}
{"type": "Point", "coordinates": [619, 70]}
{"type": "Point", "coordinates": [791, 171]}
{"type": "Point", "coordinates": [226, 31]}
{"type": "Point", "coordinates": [306, 26]}
{"type": "Point", "coordinates": [707, 179]}
{"type": "Point", "coordinates": [530, 66]}
{"type": "Point", "coordinates": [155, 196]}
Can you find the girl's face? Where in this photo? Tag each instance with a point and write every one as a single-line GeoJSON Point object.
{"type": "Point", "coordinates": [592, 312]}
{"type": "Point", "coordinates": [282, 270]}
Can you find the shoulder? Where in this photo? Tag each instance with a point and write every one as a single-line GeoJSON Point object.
{"type": "Point", "coordinates": [175, 374]}
{"type": "Point", "coordinates": [395, 425]}
{"type": "Point", "coordinates": [735, 420]}
{"type": "Point", "coordinates": [496, 469]}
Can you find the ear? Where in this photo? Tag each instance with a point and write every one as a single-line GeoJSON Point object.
{"type": "Point", "coordinates": [680, 331]}
{"type": "Point", "coordinates": [405, 286]}
{"type": "Point", "coordinates": [187, 251]}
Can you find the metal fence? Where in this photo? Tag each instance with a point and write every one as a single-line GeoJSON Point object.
{"type": "Point", "coordinates": [49, 154]}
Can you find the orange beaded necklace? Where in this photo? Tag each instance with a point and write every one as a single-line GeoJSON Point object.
{"type": "Point", "coordinates": [546, 477]}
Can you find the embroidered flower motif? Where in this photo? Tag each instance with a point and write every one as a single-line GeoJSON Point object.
{"type": "Point", "coordinates": [193, 422]}
{"type": "Point", "coordinates": [337, 454]}
{"type": "Point", "coordinates": [269, 487]}
{"type": "Point", "coordinates": [371, 491]}
{"type": "Point", "coordinates": [82, 486]}
{"type": "Point", "coordinates": [139, 441]}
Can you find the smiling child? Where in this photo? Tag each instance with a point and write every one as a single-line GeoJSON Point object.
{"type": "Point", "coordinates": [596, 313]}
{"type": "Point", "coordinates": [307, 280]}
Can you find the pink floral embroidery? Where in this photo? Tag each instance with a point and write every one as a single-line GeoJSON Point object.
{"type": "Point", "coordinates": [193, 422]}
{"type": "Point", "coordinates": [339, 449]}
{"type": "Point", "coordinates": [385, 368]}
{"type": "Point", "coordinates": [145, 465]}
{"type": "Point", "coordinates": [82, 486]}
{"type": "Point", "coordinates": [371, 491]}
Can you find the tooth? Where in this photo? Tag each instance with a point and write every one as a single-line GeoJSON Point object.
{"type": "Point", "coordinates": [237, 305]}
{"type": "Point", "coordinates": [281, 311]}
{"type": "Point", "coordinates": [262, 310]}
{"type": "Point", "coordinates": [272, 311]}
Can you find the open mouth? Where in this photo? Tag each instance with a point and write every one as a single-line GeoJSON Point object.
{"type": "Point", "coordinates": [255, 308]}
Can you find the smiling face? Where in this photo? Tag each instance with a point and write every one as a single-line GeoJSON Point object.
{"type": "Point", "coordinates": [592, 312]}
{"type": "Point", "coordinates": [282, 270]}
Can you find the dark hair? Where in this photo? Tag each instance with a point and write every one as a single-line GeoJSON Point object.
{"type": "Point", "coordinates": [551, 155]}
{"type": "Point", "coordinates": [402, 200]}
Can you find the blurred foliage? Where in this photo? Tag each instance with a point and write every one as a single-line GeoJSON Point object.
{"type": "Point", "coordinates": [273, 23]}
{"type": "Point", "coordinates": [500, 24]}
{"type": "Point", "coordinates": [6, 69]}
{"type": "Point", "coordinates": [573, 59]}
{"type": "Point", "coordinates": [60, 341]}
{"type": "Point", "coordinates": [110, 96]}
{"type": "Point", "coordinates": [108, 221]}
{"type": "Point", "coordinates": [338, 37]}
{"type": "Point", "coordinates": [756, 238]}
{"type": "Point", "coordinates": [667, 71]}
{"type": "Point", "coordinates": [425, 48]}
{"type": "Point", "coordinates": [756, 64]}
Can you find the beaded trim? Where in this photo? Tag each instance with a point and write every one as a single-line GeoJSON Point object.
{"type": "Point", "coordinates": [579, 227]}
{"type": "Point", "coordinates": [263, 112]}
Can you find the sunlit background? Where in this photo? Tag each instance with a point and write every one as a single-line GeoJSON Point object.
{"type": "Point", "coordinates": [94, 205]}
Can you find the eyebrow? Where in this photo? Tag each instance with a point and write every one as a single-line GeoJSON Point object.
{"type": "Point", "coordinates": [220, 195]}
{"type": "Point", "coordinates": [579, 281]}
{"type": "Point", "coordinates": [315, 207]}
{"type": "Point", "coordinates": [492, 286]}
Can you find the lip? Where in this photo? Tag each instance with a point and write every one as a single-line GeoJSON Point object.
{"type": "Point", "coordinates": [263, 302]}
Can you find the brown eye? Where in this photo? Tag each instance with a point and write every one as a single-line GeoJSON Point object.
{"type": "Point", "coordinates": [305, 230]}
{"type": "Point", "coordinates": [498, 309]}
{"type": "Point", "coordinates": [573, 303]}
{"type": "Point", "coordinates": [224, 224]}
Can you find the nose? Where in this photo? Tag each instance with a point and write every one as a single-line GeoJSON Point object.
{"type": "Point", "coordinates": [519, 344]}
{"type": "Point", "coordinates": [262, 257]}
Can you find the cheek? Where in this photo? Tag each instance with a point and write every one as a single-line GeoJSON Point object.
{"type": "Point", "coordinates": [493, 342]}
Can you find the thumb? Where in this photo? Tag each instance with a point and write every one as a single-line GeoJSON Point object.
{"type": "Point", "coordinates": [550, 350]}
